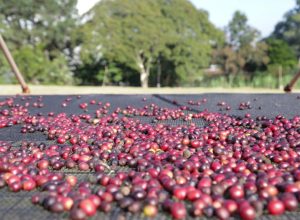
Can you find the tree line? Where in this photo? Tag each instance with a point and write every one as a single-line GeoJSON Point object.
{"type": "Point", "coordinates": [140, 43]}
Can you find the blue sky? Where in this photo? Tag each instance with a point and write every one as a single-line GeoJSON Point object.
{"type": "Point", "coordinates": [262, 14]}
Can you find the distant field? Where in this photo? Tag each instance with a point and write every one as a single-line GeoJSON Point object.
{"type": "Point", "coordinates": [48, 90]}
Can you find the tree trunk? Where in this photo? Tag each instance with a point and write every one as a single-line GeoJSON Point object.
{"type": "Point", "coordinates": [105, 75]}
{"type": "Point", "coordinates": [144, 76]}
{"type": "Point", "coordinates": [144, 66]}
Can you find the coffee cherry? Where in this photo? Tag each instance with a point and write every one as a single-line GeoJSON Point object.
{"type": "Point", "coordinates": [276, 207]}
{"type": "Point", "coordinates": [178, 210]}
{"type": "Point", "coordinates": [88, 207]}
{"type": "Point", "coordinates": [150, 210]}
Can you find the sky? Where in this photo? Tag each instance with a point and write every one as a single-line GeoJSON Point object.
{"type": "Point", "coordinates": [262, 14]}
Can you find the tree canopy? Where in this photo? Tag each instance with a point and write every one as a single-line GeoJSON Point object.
{"type": "Point", "coordinates": [280, 53]}
{"type": "Point", "coordinates": [39, 34]}
{"type": "Point", "coordinates": [138, 33]}
{"type": "Point", "coordinates": [288, 30]}
{"type": "Point", "coordinates": [239, 32]}
{"type": "Point", "coordinates": [139, 42]}
{"type": "Point", "coordinates": [243, 52]}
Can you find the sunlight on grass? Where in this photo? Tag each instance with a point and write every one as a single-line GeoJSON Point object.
{"type": "Point", "coordinates": [48, 90]}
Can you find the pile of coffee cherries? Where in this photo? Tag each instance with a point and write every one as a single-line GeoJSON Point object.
{"type": "Point", "coordinates": [232, 167]}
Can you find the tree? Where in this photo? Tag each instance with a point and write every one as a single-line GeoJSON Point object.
{"type": "Point", "coordinates": [194, 38]}
{"type": "Point", "coordinates": [127, 31]}
{"type": "Point", "coordinates": [280, 53]}
{"type": "Point", "coordinates": [243, 52]}
{"type": "Point", "coordinates": [288, 30]}
{"type": "Point", "coordinates": [42, 27]}
{"type": "Point", "coordinates": [39, 69]}
{"type": "Point", "coordinates": [137, 33]}
{"type": "Point", "coordinates": [239, 33]}
{"type": "Point", "coordinates": [38, 21]}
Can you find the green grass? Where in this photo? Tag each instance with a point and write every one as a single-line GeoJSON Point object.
{"type": "Point", "coordinates": [48, 90]}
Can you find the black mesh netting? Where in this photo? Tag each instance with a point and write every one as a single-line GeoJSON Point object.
{"type": "Point", "coordinates": [18, 205]}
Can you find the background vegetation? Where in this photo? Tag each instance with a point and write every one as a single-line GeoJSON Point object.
{"type": "Point", "coordinates": [144, 43]}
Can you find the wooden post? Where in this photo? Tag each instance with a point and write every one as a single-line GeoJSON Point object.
{"type": "Point", "coordinates": [13, 65]}
{"type": "Point", "coordinates": [290, 85]}
{"type": "Point", "coordinates": [280, 87]}
{"type": "Point", "coordinates": [105, 75]}
{"type": "Point", "coordinates": [158, 74]}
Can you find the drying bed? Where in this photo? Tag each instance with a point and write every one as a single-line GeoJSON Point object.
{"type": "Point", "coordinates": [162, 111]}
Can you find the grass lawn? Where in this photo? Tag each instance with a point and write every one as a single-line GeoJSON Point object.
{"type": "Point", "coordinates": [47, 90]}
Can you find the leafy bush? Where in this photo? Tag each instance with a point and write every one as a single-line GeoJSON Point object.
{"type": "Point", "coordinates": [256, 80]}
{"type": "Point", "coordinates": [39, 69]}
